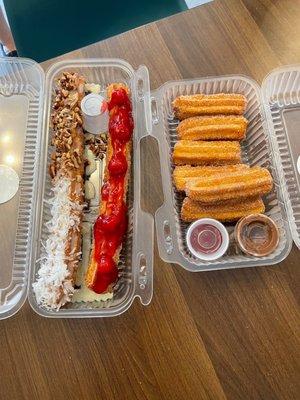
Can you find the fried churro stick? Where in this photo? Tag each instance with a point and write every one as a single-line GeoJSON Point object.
{"type": "Point", "coordinates": [182, 174]}
{"type": "Point", "coordinates": [91, 274]}
{"type": "Point", "coordinates": [240, 184]}
{"type": "Point", "coordinates": [55, 283]}
{"type": "Point", "coordinates": [225, 212]}
{"type": "Point", "coordinates": [111, 225]}
{"type": "Point", "coordinates": [210, 104]}
{"type": "Point", "coordinates": [71, 164]}
{"type": "Point", "coordinates": [219, 127]}
{"type": "Point", "coordinates": [206, 153]}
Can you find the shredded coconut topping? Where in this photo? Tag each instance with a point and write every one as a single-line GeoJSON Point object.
{"type": "Point", "coordinates": [54, 285]}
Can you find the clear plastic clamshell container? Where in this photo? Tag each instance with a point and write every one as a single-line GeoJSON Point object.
{"type": "Point", "coordinates": [136, 276]}
{"type": "Point", "coordinates": [136, 258]}
{"type": "Point", "coordinates": [273, 112]}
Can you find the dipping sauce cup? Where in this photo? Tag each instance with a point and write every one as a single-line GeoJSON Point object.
{"type": "Point", "coordinates": [256, 235]}
{"type": "Point", "coordinates": [207, 239]}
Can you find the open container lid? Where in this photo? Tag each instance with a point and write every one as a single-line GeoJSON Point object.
{"type": "Point", "coordinates": [21, 108]}
{"type": "Point", "coordinates": [281, 97]}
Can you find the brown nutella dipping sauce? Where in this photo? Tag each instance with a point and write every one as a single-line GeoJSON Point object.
{"type": "Point", "coordinates": [257, 235]}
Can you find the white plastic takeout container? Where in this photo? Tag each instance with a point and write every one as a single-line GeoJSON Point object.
{"type": "Point", "coordinates": [26, 94]}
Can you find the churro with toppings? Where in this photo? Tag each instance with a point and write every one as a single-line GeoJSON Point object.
{"type": "Point", "coordinates": [55, 281]}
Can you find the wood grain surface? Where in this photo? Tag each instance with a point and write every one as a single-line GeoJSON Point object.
{"type": "Point", "coordinates": [217, 335]}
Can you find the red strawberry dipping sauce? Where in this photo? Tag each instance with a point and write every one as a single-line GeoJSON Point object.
{"type": "Point", "coordinates": [207, 239]}
{"type": "Point", "coordinates": [111, 225]}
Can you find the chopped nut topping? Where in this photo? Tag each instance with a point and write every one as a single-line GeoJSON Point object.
{"type": "Point", "coordinates": [52, 170]}
{"type": "Point", "coordinates": [97, 144]}
{"type": "Point", "coordinates": [65, 120]}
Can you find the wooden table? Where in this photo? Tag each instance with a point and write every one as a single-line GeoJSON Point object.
{"type": "Point", "coordinates": [215, 335]}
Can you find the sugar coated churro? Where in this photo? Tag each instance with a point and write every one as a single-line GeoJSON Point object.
{"type": "Point", "coordinates": [225, 212]}
{"type": "Point", "coordinates": [182, 174]}
{"type": "Point", "coordinates": [219, 127]}
{"type": "Point", "coordinates": [56, 276]}
{"type": "Point", "coordinates": [206, 153]}
{"type": "Point", "coordinates": [238, 184]}
{"type": "Point", "coordinates": [209, 104]}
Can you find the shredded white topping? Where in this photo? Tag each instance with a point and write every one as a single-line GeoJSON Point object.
{"type": "Point", "coordinates": [92, 87]}
{"type": "Point", "coordinates": [54, 286]}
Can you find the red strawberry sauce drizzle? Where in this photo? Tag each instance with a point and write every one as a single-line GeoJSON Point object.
{"type": "Point", "coordinates": [111, 225]}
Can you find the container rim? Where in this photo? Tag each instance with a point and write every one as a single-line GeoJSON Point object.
{"type": "Point", "coordinates": [206, 78]}
{"type": "Point", "coordinates": [56, 66]}
{"type": "Point", "coordinates": [275, 71]}
{"type": "Point", "coordinates": [23, 60]}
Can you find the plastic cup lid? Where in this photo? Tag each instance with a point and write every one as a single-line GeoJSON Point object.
{"type": "Point", "coordinates": [9, 183]}
{"type": "Point", "coordinates": [91, 104]}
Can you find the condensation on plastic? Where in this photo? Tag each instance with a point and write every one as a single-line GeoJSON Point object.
{"type": "Point", "coordinates": [170, 229]}
{"type": "Point", "coordinates": [21, 93]}
{"type": "Point", "coordinates": [136, 278]}
{"type": "Point", "coordinates": [281, 95]}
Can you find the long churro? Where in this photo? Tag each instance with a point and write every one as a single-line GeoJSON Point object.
{"type": "Point", "coordinates": [206, 153]}
{"type": "Point", "coordinates": [225, 212]}
{"type": "Point", "coordinates": [219, 127]}
{"type": "Point", "coordinates": [182, 174]}
{"type": "Point", "coordinates": [111, 225]}
{"type": "Point", "coordinates": [235, 185]}
{"type": "Point", "coordinates": [55, 283]}
{"type": "Point", "coordinates": [209, 104]}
